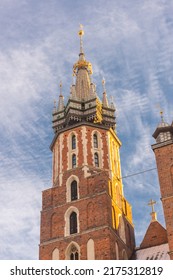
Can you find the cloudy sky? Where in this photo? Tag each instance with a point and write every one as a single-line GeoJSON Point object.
{"type": "Point", "coordinates": [129, 43]}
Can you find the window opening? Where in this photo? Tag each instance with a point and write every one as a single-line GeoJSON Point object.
{"type": "Point", "coordinates": [73, 161]}
{"type": "Point", "coordinates": [73, 142]}
{"type": "Point", "coordinates": [74, 190]}
{"type": "Point", "coordinates": [73, 223]}
{"type": "Point", "coordinates": [74, 254]}
{"type": "Point", "coordinates": [96, 160]}
{"type": "Point", "coordinates": [95, 140]}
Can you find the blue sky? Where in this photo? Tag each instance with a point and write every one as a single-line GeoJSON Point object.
{"type": "Point", "coordinates": [129, 43]}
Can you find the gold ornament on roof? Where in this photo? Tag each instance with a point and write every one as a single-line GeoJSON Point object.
{"type": "Point", "coordinates": [60, 86]}
{"type": "Point", "coordinates": [161, 112]}
{"type": "Point", "coordinates": [103, 84]}
{"type": "Point", "coordinates": [98, 118]}
{"type": "Point", "coordinates": [82, 63]}
{"type": "Point", "coordinates": [161, 115]}
{"type": "Point", "coordinates": [81, 31]}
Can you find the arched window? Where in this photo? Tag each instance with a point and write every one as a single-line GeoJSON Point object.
{"type": "Point", "coordinates": [74, 254]}
{"type": "Point", "coordinates": [96, 160]}
{"type": "Point", "coordinates": [122, 232]}
{"type": "Point", "coordinates": [95, 141]}
{"type": "Point", "coordinates": [113, 217]}
{"type": "Point", "coordinates": [73, 142]}
{"type": "Point", "coordinates": [55, 254]}
{"type": "Point", "coordinates": [129, 236]}
{"type": "Point", "coordinates": [124, 255]}
{"type": "Point", "coordinates": [118, 196]}
{"type": "Point", "coordinates": [90, 250]}
{"type": "Point", "coordinates": [117, 251]}
{"type": "Point", "coordinates": [54, 226]}
{"type": "Point", "coordinates": [74, 190]}
{"type": "Point", "coordinates": [73, 223]}
{"type": "Point", "coordinates": [73, 161]}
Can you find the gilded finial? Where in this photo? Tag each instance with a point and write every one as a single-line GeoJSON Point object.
{"type": "Point", "coordinates": [60, 86]}
{"type": "Point", "coordinates": [81, 33]}
{"type": "Point", "coordinates": [103, 84]}
{"type": "Point", "coordinates": [161, 115]}
{"type": "Point", "coordinates": [82, 63]}
{"type": "Point", "coordinates": [161, 112]}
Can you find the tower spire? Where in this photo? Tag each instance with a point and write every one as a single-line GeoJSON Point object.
{"type": "Point", "coordinates": [82, 69]}
{"type": "Point", "coordinates": [104, 100]}
{"type": "Point", "coordinates": [83, 102]}
{"type": "Point", "coordinates": [61, 99]}
{"type": "Point", "coordinates": [112, 106]}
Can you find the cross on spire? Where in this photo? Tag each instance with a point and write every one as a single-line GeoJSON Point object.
{"type": "Point", "coordinates": [153, 213]}
{"type": "Point", "coordinates": [152, 203]}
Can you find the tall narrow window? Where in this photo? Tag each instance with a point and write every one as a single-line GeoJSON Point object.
{"type": "Point", "coordinates": [90, 250]}
{"type": "Point", "coordinates": [73, 223]}
{"type": "Point", "coordinates": [113, 217]}
{"type": "Point", "coordinates": [96, 160]}
{"type": "Point", "coordinates": [74, 190]}
{"type": "Point", "coordinates": [73, 142]}
{"type": "Point", "coordinates": [55, 254]}
{"type": "Point", "coordinates": [73, 161]}
{"type": "Point", "coordinates": [95, 141]}
{"type": "Point", "coordinates": [117, 251]}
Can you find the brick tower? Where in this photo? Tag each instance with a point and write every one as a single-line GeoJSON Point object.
{"type": "Point", "coordinates": [85, 214]}
{"type": "Point", "coordinates": [163, 150]}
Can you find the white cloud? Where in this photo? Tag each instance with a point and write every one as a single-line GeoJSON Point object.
{"type": "Point", "coordinates": [20, 208]}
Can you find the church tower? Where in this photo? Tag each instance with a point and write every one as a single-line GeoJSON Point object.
{"type": "Point", "coordinates": [85, 214]}
{"type": "Point", "coordinates": [163, 150]}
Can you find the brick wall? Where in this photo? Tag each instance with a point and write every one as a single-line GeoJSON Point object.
{"type": "Point", "coordinates": [164, 160]}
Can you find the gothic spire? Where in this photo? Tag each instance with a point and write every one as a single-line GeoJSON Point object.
{"type": "Point", "coordinates": [83, 104]}
{"type": "Point", "coordinates": [112, 106]}
{"type": "Point", "coordinates": [104, 100]}
{"type": "Point", "coordinates": [82, 69]}
{"type": "Point", "coordinates": [61, 99]}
